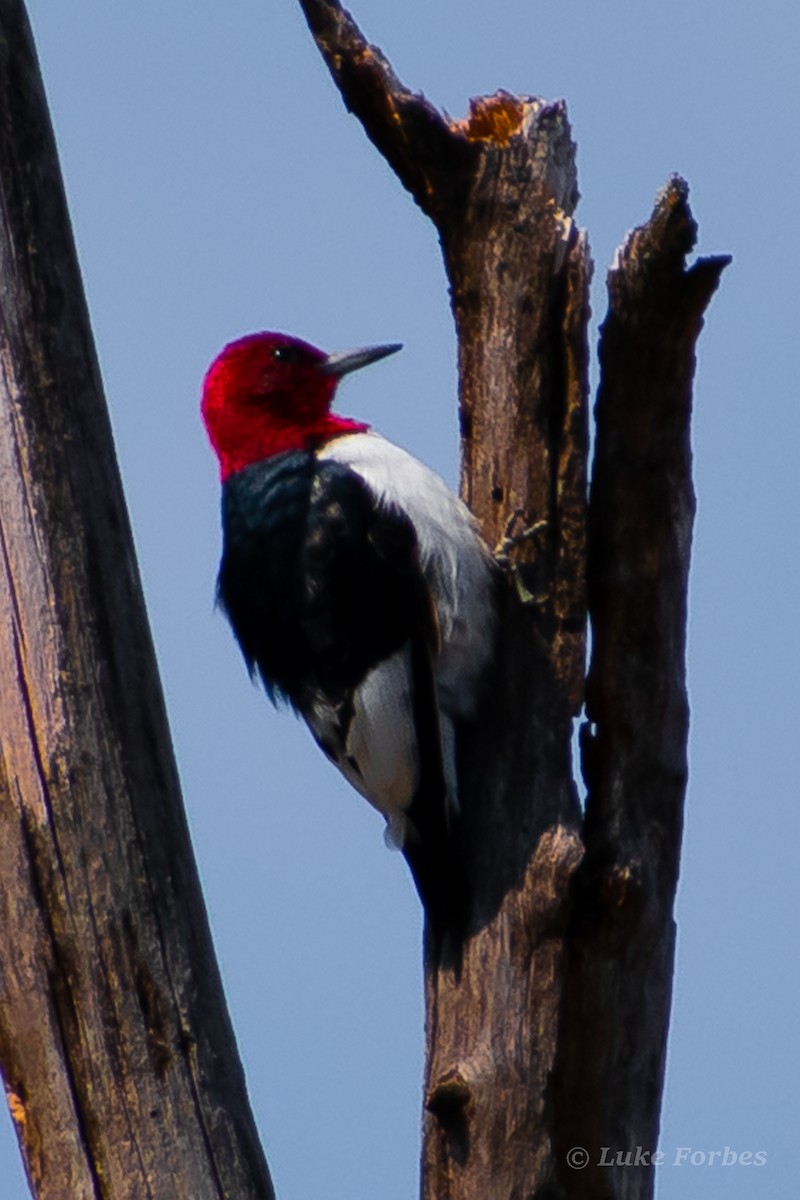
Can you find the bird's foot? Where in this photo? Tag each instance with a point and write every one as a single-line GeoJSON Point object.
{"type": "Point", "coordinates": [517, 534]}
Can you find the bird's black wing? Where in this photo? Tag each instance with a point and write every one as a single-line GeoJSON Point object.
{"type": "Point", "coordinates": [318, 583]}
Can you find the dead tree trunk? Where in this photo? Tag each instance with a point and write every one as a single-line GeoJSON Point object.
{"type": "Point", "coordinates": [549, 1033]}
{"type": "Point", "coordinates": [116, 1048]}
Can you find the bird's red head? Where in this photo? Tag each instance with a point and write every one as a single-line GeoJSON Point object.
{"type": "Point", "coordinates": [268, 393]}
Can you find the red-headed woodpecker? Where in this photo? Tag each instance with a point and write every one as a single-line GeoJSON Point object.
{"type": "Point", "coordinates": [356, 584]}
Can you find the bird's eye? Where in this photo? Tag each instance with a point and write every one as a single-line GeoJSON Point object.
{"type": "Point", "coordinates": [285, 354]}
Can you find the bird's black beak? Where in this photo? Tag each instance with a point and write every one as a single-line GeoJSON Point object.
{"type": "Point", "coordinates": [342, 362]}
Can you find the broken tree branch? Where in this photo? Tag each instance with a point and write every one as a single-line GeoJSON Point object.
{"type": "Point", "coordinates": [618, 988]}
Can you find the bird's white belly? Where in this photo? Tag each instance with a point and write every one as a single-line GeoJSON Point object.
{"type": "Point", "coordinates": [378, 755]}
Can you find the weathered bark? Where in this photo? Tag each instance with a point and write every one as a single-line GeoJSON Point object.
{"type": "Point", "coordinates": [116, 1049]}
{"type": "Point", "coordinates": [569, 950]}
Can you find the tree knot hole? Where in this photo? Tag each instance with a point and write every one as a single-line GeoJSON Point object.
{"type": "Point", "coordinates": [449, 1103]}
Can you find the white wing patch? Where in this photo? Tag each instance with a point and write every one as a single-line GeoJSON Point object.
{"type": "Point", "coordinates": [454, 559]}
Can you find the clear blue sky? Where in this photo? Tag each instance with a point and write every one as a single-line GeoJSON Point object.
{"type": "Point", "coordinates": [218, 186]}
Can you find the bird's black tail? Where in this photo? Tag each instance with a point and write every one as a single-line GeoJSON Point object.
{"type": "Point", "coordinates": [433, 856]}
{"type": "Point", "coordinates": [432, 846]}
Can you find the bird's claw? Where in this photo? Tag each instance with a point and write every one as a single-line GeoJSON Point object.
{"type": "Point", "coordinates": [511, 540]}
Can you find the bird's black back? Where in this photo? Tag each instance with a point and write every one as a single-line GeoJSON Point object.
{"type": "Point", "coordinates": [318, 583]}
